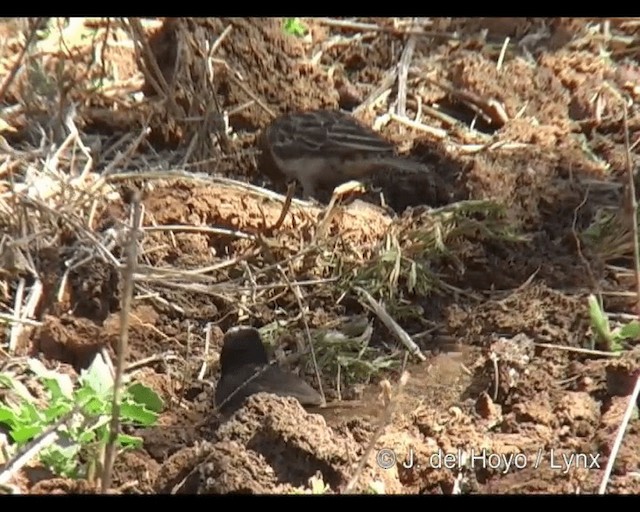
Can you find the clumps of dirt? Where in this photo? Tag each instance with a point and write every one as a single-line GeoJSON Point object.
{"type": "Point", "coordinates": [622, 373]}
{"type": "Point", "coordinates": [94, 290]}
{"type": "Point", "coordinates": [256, 71]}
{"type": "Point", "coordinates": [77, 340]}
{"type": "Point", "coordinates": [269, 445]}
{"type": "Point", "coordinates": [538, 311]}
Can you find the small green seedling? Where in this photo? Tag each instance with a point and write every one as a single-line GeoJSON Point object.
{"type": "Point", "coordinates": [295, 27]}
{"type": "Point", "coordinates": [614, 339]}
{"type": "Point", "coordinates": [82, 437]}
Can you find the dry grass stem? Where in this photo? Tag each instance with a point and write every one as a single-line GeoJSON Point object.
{"type": "Point", "coordinates": [127, 296]}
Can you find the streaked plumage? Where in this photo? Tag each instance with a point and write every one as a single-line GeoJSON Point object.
{"type": "Point", "coordinates": [324, 148]}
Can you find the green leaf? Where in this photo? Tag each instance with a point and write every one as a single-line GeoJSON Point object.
{"type": "Point", "coordinates": [294, 27]}
{"type": "Point", "coordinates": [8, 416]}
{"type": "Point", "coordinates": [98, 377]}
{"type": "Point", "coordinates": [146, 396]}
{"type": "Point", "coordinates": [24, 434]}
{"type": "Point", "coordinates": [9, 381]}
{"type": "Point", "coordinates": [55, 411]}
{"type": "Point", "coordinates": [138, 414]}
{"type": "Point", "coordinates": [92, 404]}
{"type": "Point", "coordinates": [29, 413]}
{"type": "Point", "coordinates": [129, 441]}
{"type": "Point", "coordinates": [62, 460]}
{"type": "Point", "coordinates": [57, 383]}
{"type": "Point", "coordinates": [86, 437]}
{"type": "Point", "coordinates": [631, 331]}
{"type": "Point", "coordinates": [598, 319]}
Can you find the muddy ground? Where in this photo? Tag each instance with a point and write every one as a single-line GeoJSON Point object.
{"type": "Point", "coordinates": [523, 116]}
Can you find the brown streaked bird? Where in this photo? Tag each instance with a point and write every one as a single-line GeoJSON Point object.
{"type": "Point", "coordinates": [245, 371]}
{"type": "Point", "coordinates": [325, 148]}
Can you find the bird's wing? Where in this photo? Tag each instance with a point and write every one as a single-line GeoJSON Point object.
{"type": "Point", "coordinates": [326, 133]}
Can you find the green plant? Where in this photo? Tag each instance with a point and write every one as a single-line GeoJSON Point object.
{"type": "Point", "coordinates": [83, 434]}
{"type": "Point", "coordinates": [613, 339]}
{"type": "Point", "coordinates": [295, 27]}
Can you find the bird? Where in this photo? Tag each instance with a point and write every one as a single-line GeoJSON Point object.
{"type": "Point", "coordinates": [325, 148]}
{"type": "Point", "coordinates": [245, 371]}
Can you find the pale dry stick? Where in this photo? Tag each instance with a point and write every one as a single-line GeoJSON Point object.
{"type": "Point", "coordinates": [253, 285]}
{"type": "Point", "coordinates": [127, 296]}
{"type": "Point", "coordinates": [204, 178]}
{"type": "Point", "coordinates": [632, 206]}
{"type": "Point", "coordinates": [493, 357]}
{"type": "Point", "coordinates": [47, 438]}
{"type": "Point", "coordinates": [199, 229]}
{"type": "Point", "coordinates": [16, 65]}
{"type": "Point", "coordinates": [148, 294]}
{"type": "Point", "coordinates": [221, 118]}
{"type": "Point", "coordinates": [392, 325]}
{"type": "Point", "coordinates": [160, 358]}
{"type": "Point", "coordinates": [438, 114]}
{"type": "Point", "coordinates": [207, 345]}
{"type": "Point", "coordinates": [51, 164]}
{"type": "Point", "coordinates": [12, 318]}
{"type": "Point", "coordinates": [330, 212]}
{"type": "Point", "coordinates": [631, 405]}
{"type": "Point", "coordinates": [354, 25]}
{"type": "Point", "coordinates": [403, 72]}
{"type": "Point", "coordinates": [311, 282]}
{"type": "Point", "coordinates": [588, 351]}
{"type": "Point", "coordinates": [74, 136]}
{"type": "Point", "coordinates": [372, 27]}
{"type": "Point", "coordinates": [33, 298]}
{"type": "Point", "coordinates": [194, 288]}
{"type": "Point", "coordinates": [149, 273]}
{"type": "Point", "coordinates": [436, 132]}
{"type": "Point", "coordinates": [490, 109]}
{"type": "Point", "coordinates": [472, 149]}
{"type": "Point", "coordinates": [503, 51]}
{"type": "Point", "coordinates": [385, 419]}
{"type": "Point", "coordinates": [621, 316]}
{"type": "Point", "coordinates": [298, 296]}
{"type": "Point", "coordinates": [385, 85]}
{"type": "Point", "coordinates": [216, 44]}
{"type": "Point", "coordinates": [614, 293]}
{"type": "Point", "coordinates": [16, 329]}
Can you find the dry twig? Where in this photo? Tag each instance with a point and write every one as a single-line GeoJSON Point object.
{"type": "Point", "coordinates": [127, 295]}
